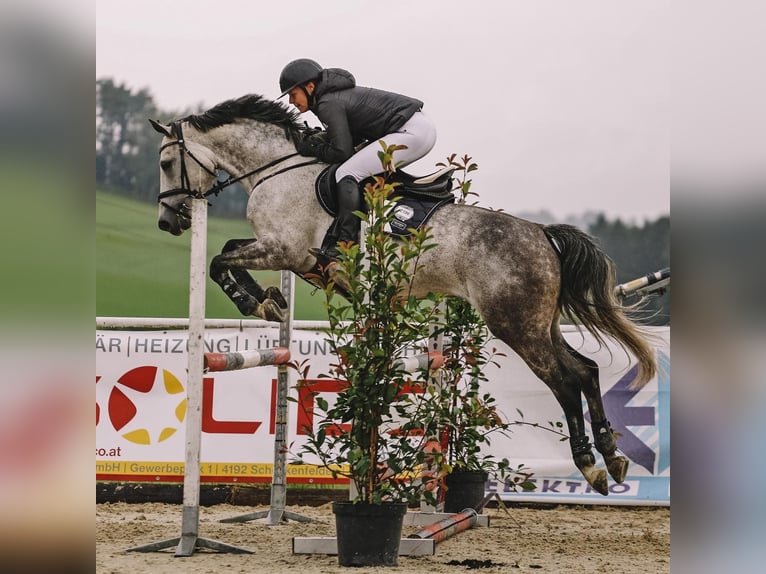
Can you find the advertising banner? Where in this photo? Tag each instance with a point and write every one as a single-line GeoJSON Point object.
{"type": "Point", "coordinates": [141, 413]}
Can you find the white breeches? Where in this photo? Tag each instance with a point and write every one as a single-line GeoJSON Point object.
{"type": "Point", "coordinates": [418, 134]}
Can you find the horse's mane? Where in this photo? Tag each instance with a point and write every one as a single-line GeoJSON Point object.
{"type": "Point", "coordinates": [251, 106]}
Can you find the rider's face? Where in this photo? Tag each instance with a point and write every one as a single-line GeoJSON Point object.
{"type": "Point", "coordinates": [298, 96]}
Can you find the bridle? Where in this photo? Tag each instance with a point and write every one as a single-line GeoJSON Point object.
{"type": "Point", "coordinates": [185, 189]}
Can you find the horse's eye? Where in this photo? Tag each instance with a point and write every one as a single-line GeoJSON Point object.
{"type": "Point", "coordinates": [165, 164]}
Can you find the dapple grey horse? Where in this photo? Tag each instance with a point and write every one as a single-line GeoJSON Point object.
{"type": "Point", "coordinates": [520, 276]}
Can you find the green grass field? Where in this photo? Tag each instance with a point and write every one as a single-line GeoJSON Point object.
{"type": "Point", "coordinates": [144, 272]}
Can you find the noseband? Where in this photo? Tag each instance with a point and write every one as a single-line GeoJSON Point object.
{"type": "Point", "coordinates": [185, 188]}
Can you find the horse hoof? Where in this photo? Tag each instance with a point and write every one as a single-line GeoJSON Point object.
{"type": "Point", "coordinates": [599, 482]}
{"type": "Point", "coordinates": [618, 468]}
{"type": "Point", "coordinates": [275, 294]}
{"type": "Point", "coordinates": [270, 311]}
{"type": "Point", "coordinates": [596, 479]}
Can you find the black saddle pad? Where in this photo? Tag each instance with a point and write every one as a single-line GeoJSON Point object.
{"type": "Point", "coordinates": [410, 212]}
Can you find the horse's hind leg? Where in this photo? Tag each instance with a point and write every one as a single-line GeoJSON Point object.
{"type": "Point", "coordinates": [603, 435]}
{"type": "Point", "coordinates": [249, 297]}
{"type": "Point", "coordinates": [565, 379]}
{"type": "Point", "coordinates": [564, 376]}
{"type": "Point", "coordinates": [575, 378]}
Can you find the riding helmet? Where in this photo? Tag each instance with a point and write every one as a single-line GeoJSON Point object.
{"type": "Point", "coordinates": [296, 73]}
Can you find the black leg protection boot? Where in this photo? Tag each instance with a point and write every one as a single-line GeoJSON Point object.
{"type": "Point", "coordinates": [346, 225]}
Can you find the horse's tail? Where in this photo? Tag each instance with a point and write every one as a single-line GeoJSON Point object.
{"type": "Point", "coordinates": [588, 282]}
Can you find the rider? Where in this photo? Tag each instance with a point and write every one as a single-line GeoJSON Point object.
{"type": "Point", "coordinates": [351, 115]}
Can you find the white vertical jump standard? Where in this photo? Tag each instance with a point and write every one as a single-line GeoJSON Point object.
{"type": "Point", "coordinates": [436, 346]}
{"type": "Point", "coordinates": [277, 513]}
{"type": "Point", "coordinates": [190, 539]}
{"type": "Point", "coordinates": [197, 278]}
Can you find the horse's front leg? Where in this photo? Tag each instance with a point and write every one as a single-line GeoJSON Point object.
{"type": "Point", "coordinates": [232, 276]}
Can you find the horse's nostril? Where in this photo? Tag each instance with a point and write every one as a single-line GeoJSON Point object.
{"type": "Point", "coordinates": [163, 225]}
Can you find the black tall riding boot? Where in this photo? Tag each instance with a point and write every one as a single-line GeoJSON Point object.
{"type": "Point", "coordinates": [346, 225]}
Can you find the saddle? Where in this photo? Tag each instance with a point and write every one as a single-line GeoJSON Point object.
{"type": "Point", "coordinates": [417, 198]}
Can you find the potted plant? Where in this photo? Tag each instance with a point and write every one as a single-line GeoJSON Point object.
{"type": "Point", "coordinates": [372, 433]}
{"type": "Point", "coordinates": [466, 417]}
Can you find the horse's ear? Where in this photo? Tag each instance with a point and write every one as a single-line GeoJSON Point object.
{"type": "Point", "coordinates": [163, 129]}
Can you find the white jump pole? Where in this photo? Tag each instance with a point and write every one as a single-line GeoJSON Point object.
{"type": "Point", "coordinates": [435, 347]}
{"type": "Point", "coordinates": [277, 513]}
{"type": "Point", "coordinates": [198, 276]}
{"type": "Point", "coordinates": [279, 473]}
{"type": "Point", "coordinates": [190, 539]}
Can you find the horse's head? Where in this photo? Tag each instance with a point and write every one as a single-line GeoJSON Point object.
{"type": "Point", "coordinates": [187, 169]}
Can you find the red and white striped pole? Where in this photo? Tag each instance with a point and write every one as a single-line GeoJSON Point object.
{"type": "Point", "coordinates": [431, 360]}
{"type": "Point", "coordinates": [246, 359]}
{"type": "Point", "coordinates": [449, 526]}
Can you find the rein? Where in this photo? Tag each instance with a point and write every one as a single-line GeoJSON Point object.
{"type": "Point", "coordinates": [219, 186]}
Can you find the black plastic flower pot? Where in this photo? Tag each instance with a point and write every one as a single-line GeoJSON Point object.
{"type": "Point", "coordinates": [465, 489]}
{"type": "Point", "coordinates": [368, 534]}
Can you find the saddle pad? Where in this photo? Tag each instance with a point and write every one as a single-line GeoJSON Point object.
{"type": "Point", "coordinates": [410, 212]}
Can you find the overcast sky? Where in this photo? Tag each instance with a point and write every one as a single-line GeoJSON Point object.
{"type": "Point", "coordinates": [565, 106]}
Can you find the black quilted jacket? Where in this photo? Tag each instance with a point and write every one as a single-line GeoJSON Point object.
{"type": "Point", "coordinates": [352, 114]}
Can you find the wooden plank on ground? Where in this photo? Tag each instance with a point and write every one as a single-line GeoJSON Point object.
{"type": "Point", "coordinates": [329, 545]}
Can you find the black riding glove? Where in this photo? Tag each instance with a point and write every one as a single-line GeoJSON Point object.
{"type": "Point", "coordinates": [309, 131]}
{"type": "Point", "coordinates": [312, 145]}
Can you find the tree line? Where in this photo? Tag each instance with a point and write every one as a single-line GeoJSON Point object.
{"type": "Point", "coordinates": [126, 145]}
{"type": "Point", "coordinates": [126, 163]}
